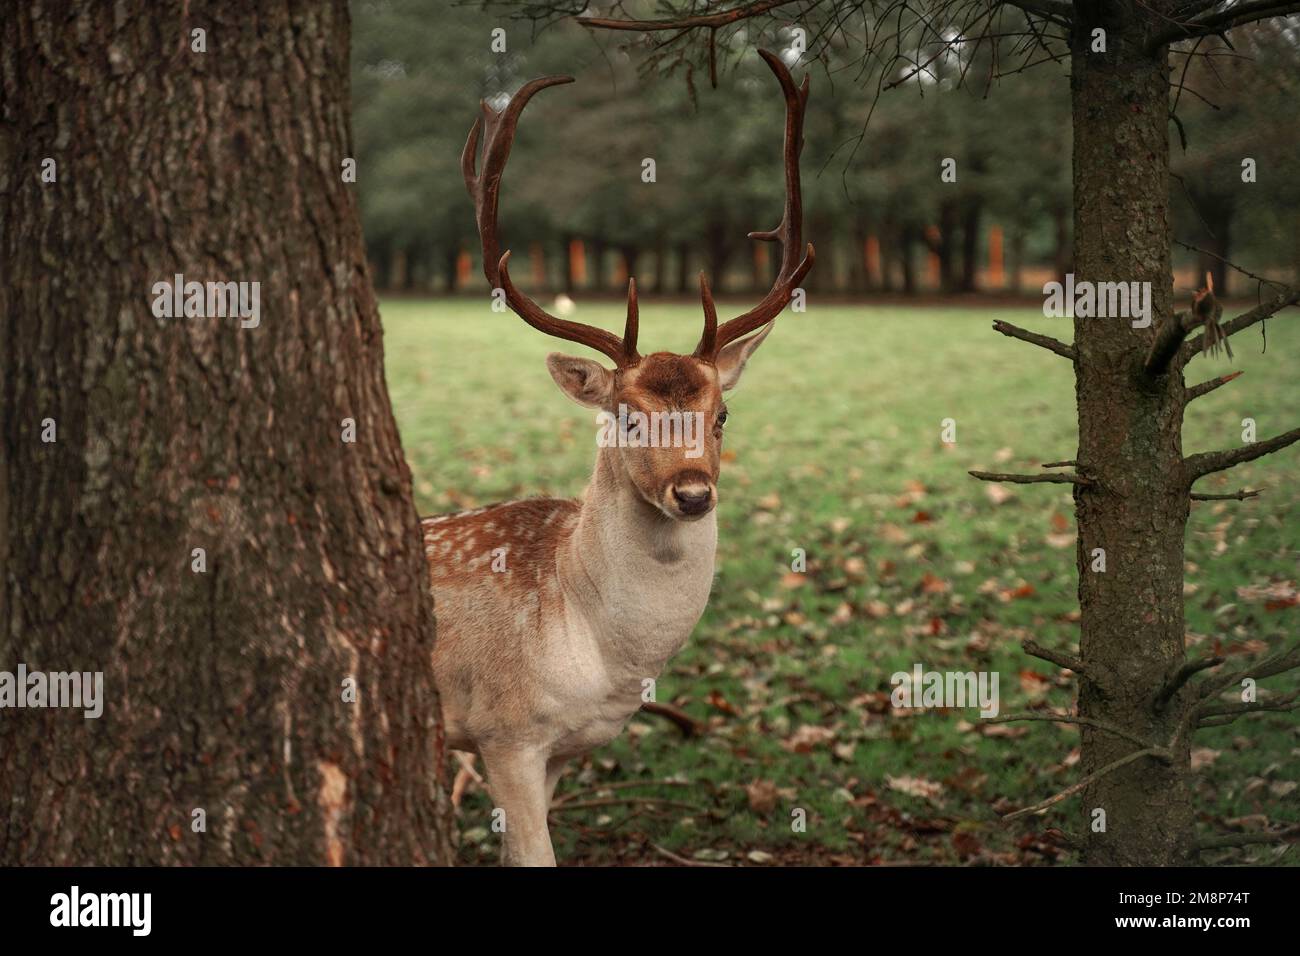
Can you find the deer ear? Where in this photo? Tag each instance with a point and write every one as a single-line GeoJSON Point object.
{"type": "Point", "coordinates": [731, 360]}
{"type": "Point", "coordinates": [586, 382]}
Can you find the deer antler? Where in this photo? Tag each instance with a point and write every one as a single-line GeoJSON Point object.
{"type": "Point", "coordinates": [789, 233]}
{"type": "Point", "coordinates": [485, 187]}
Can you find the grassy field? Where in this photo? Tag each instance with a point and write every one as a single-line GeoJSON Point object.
{"type": "Point", "coordinates": [833, 446]}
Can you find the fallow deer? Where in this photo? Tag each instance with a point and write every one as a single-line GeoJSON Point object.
{"type": "Point", "coordinates": [543, 657]}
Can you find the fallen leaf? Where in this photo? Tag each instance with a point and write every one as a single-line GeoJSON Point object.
{"type": "Point", "coordinates": [930, 584]}
{"type": "Point", "coordinates": [1203, 757]}
{"type": "Point", "coordinates": [762, 796]}
{"type": "Point", "coordinates": [807, 737]}
{"type": "Point", "coordinates": [709, 855]}
{"type": "Point", "coordinates": [716, 699]}
{"type": "Point", "coordinates": [915, 787]}
{"type": "Point", "coordinates": [997, 494]}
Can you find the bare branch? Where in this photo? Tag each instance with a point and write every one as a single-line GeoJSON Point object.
{"type": "Point", "coordinates": [1196, 391]}
{"type": "Point", "coordinates": [709, 21]}
{"type": "Point", "coordinates": [1214, 722]}
{"type": "Point", "coordinates": [683, 861]}
{"type": "Point", "coordinates": [1068, 661]}
{"type": "Point", "coordinates": [1284, 703]}
{"type": "Point", "coordinates": [1068, 719]}
{"type": "Point", "coordinates": [1181, 676]}
{"type": "Point", "coordinates": [1235, 496]}
{"type": "Point", "coordinates": [1024, 335]}
{"type": "Point", "coordinates": [1244, 321]}
{"type": "Point", "coordinates": [623, 802]}
{"type": "Point", "coordinates": [1158, 753]}
{"type": "Point", "coordinates": [1057, 11]}
{"type": "Point", "coordinates": [1209, 462]}
{"type": "Point", "coordinates": [1246, 839]}
{"type": "Point", "coordinates": [573, 795]}
{"type": "Point", "coordinates": [1061, 464]}
{"type": "Point", "coordinates": [1223, 720]}
{"type": "Point", "coordinates": [1210, 24]}
{"type": "Point", "coordinates": [1053, 478]}
{"type": "Point", "coordinates": [1284, 660]}
{"type": "Point", "coordinates": [1169, 337]}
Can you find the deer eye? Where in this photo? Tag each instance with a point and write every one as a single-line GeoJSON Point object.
{"type": "Point", "coordinates": [722, 418]}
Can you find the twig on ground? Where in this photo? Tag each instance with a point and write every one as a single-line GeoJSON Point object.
{"type": "Point", "coordinates": [683, 861]}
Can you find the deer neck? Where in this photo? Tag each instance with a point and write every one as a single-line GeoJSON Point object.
{"type": "Point", "coordinates": [640, 579]}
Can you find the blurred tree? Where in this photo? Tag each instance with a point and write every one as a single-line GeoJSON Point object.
{"type": "Point", "coordinates": [1229, 101]}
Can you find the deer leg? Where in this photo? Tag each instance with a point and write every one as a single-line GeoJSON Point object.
{"type": "Point", "coordinates": [517, 781]}
{"type": "Point", "coordinates": [554, 768]}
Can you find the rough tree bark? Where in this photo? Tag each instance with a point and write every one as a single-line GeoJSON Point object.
{"type": "Point", "coordinates": [223, 687]}
{"type": "Point", "coordinates": [1137, 705]}
{"type": "Point", "coordinates": [1130, 446]}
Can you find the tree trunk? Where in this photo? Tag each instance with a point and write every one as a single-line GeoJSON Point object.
{"type": "Point", "coordinates": [1217, 211]}
{"type": "Point", "coordinates": [890, 251]}
{"type": "Point", "coordinates": [661, 266]}
{"type": "Point", "coordinates": [683, 268]}
{"type": "Point", "coordinates": [907, 239]}
{"type": "Point", "coordinates": [630, 254]}
{"type": "Point", "coordinates": [970, 245]}
{"type": "Point", "coordinates": [599, 278]}
{"type": "Point", "coordinates": [1063, 253]}
{"type": "Point", "coordinates": [222, 687]}
{"type": "Point", "coordinates": [1016, 257]}
{"type": "Point", "coordinates": [1130, 446]}
{"type": "Point", "coordinates": [383, 266]}
{"type": "Point", "coordinates": [450, 279]}
{"type": "Point", "coordinates": [946, 245]}
{"type": "Point", "coordinates": [566, 261]}
{"type": "Point", "coordinates": [720, 248]}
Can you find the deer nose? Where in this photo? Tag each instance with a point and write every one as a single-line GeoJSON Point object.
{"type": "Point", "coordinates": [692, 499]}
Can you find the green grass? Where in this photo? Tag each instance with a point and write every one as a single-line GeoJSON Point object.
{"type": "Point", "coordinates": [835, 433]}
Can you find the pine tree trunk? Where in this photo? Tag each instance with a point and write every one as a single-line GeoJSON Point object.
{"type": "Point", "coordinates": [1130, 445]}
{"type": "Point", "coordinates": [223, 687]}
{"type": "Point", "coordinates": [450, 257]}
{"type": "Point", "coordinates": [970, 245]}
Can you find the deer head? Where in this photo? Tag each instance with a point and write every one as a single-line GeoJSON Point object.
{"type": "Point", "coordinates": [679, 479]}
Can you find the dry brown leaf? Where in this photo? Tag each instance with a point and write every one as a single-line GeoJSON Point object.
{"type": "Point", "coordinates": [916, 787]}
{"type": "Point", "coordinates": [807, 737]}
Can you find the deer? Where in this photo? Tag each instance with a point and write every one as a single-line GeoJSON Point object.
{"type": "Point", "coordinates": [553, 614]}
